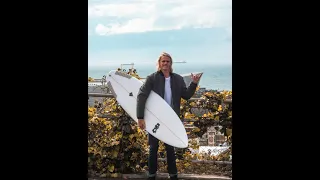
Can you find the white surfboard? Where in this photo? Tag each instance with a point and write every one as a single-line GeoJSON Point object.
{"type": "Point", "coordinates": [161, 120]}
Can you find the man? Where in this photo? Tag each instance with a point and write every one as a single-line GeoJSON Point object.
{"type": "Point", "coordinates": [172, 88]}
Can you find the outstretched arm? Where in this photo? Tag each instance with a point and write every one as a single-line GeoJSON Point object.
{"type": "Point", "coordinates": [187, 93]}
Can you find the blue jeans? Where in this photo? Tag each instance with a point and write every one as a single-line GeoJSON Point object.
{"type": "Point", "coordinates": [153, 157]}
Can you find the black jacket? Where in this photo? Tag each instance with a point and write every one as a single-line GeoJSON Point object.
{"type": "Point", "coordinates": [156, 82]}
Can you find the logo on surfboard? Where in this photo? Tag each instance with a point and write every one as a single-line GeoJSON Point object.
{"type": "Point", "coordinates": [156, 127]}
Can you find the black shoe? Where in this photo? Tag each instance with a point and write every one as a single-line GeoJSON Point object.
{"type": "Point", "coordinates": [174, 178]}
{"type": "Point", "coordinates": [151, 178]}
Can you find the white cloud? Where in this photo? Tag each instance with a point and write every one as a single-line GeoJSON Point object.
{"type": "Point", "coordinates": [132, 25]}
{"type": "Point", "coordinates": [127, 16]}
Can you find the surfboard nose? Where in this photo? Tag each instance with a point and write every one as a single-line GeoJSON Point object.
{"type": "Point", "coordinates": [184, 142]}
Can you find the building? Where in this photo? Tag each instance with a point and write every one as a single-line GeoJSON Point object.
{"type": "Point", "coordinates": [212, 137]}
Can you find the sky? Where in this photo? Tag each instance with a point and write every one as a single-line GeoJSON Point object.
{"type": "Point", "coordinates": [126, 31]}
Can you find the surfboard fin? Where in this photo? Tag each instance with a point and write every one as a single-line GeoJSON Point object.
{"type": "Point", "coordinates": [130, 94]}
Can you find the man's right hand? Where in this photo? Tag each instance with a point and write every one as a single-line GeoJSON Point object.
{"type": "Point", "coordinates": [141, 123]}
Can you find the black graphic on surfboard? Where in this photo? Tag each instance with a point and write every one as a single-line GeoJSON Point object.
{"type": "Point", "coordinates": [156, 127]}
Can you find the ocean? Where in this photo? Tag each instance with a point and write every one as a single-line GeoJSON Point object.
{"type": "Point", "coordinates": [216, 77]}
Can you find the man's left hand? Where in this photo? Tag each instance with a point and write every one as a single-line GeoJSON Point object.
{"type": "Point", "coordinates": [196, 78]}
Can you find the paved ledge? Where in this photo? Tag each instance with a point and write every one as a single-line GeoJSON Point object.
{"type": "Point", "coordinates": [165, 176]}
